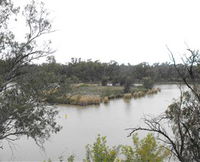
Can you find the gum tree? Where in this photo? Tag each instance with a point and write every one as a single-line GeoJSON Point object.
{"type": "Point", "coordinates": [183, 116]}
{"type": "Point", "coordinates": [22, 110]}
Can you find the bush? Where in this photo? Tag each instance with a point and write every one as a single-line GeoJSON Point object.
{"type": "Point", "coordinates": [148, 83]}
{"type": "Point", "coordinates": [100, 152]}
{"type": "Point", "coordinates": [127, 85]}
{"type": "Point", "coordinates": [104, 81]}
{"type": "Point", "coordinates": [144, 150]}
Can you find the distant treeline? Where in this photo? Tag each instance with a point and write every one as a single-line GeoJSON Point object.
{"type": "Point", "coordinates": [90, 71]}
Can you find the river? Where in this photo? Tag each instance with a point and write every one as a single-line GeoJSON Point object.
{"type": "Point", "coordinates": [81, 125]}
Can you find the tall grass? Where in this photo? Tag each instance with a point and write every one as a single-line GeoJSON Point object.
{"type": "Point", "coordinates": [127, 96]}
{"type": "Point", "coordinates": [84, 100]}
{"type": "Point", "coordinates": [105, 99]}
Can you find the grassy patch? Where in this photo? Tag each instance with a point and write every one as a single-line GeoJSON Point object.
{"type": "Point", "coordinates": [92, 94]}
{"type": "Point", "coordinates": [94, 89]}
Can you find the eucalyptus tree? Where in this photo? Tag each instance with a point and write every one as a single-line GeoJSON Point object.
{"type": "Point", "coordinates": [183, 116]}
{"type": "Point", "coordinates": [22, 110]}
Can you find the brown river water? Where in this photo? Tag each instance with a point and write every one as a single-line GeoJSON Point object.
{"type": "Point", "coordinates": [81, 125]}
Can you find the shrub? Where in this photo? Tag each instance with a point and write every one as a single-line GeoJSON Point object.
{"type": "Point", "coordinates": [104, 81]}
{"type": "Point", "coordinates": [148, 83]}
{"type": "Point", "coordinates": [144, 150]}
{"type": "Point", "coordinates": [127, 85]}
{"type": "Point", "coordinates": [100, 152]}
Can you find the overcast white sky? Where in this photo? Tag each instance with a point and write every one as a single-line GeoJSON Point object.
{"type": "Point", "coordinates": [127, 31]}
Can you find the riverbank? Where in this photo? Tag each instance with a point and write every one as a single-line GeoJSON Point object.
{"type": "Point", "coordinates": [93, 94]}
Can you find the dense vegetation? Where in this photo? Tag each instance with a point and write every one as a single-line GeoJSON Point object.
{"type": "Point", "coordinates": [79, 71]}
{"type": "Point", "coordinates": [92, 82]}
{"type": "Point", "coordinates": [142, 150]}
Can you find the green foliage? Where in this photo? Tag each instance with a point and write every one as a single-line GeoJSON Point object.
{"type": "Point", "coordinates": [100, 152]}
{"type": "Point", "coordinates": [146, 149]}
{"type": "Point", "coordinates": [129, 154]}
{"type": "Point", "coordinates": [89, 71]}
{"type": "Point", "coordinates": [22, 110]}
{"type": "Point", "coordinates": [148, 83]}
{"type": "Point", "coordinates": [111, 91]}
{"type": "Point", "coordinates": [71, 158]}
{"type": "Point", "coordinates": [127, 85]}
{"type": "Point", "coordinates": [104, 81]}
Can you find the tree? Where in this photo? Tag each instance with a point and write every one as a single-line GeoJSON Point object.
{"type": "Point", "coordinates": [127, 85]}
{"type": "Point", "coordinates": [183, 115]}
{"type": "Point", "coordinates": [22, 110]}
{"type": "Point", "coordinates": [104, 81]}
{"type": "Point", "coordinates": [148, 82]}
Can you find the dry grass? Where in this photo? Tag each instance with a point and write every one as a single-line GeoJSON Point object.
{"type": "Point", "coordinates": [84, 100]}
{"type": "Point", "coordinates": [139, 94]}
{"type": "Point", "coordinates": [153, 91]}
{"type": "Point", "coordinates": [105, 99]}
{"type": "Point", "coordinates": [127, 96]}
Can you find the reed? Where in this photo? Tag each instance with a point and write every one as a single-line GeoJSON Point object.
{"type": "Point", "coordinates": [106, 99]}
{"type": "Point", "coordinates": [153, 91]}
{"type": "Point", "coordinates": [139, 94]}
{"type": "Point", "coordinates": [127, 96]}
{"type": "Point", "coordinates": [84, 100]}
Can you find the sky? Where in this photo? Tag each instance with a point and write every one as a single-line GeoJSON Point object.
{"type": "Point", "coordinates": [127, 31]}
